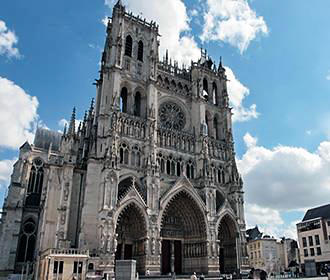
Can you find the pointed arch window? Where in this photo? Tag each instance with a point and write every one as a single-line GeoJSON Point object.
{"type": "Point", "coordinates": [205, 89]}
{"type": "Point", "coordinates": [128, 46]}
{"type": "Point", "coordinates": [27, 240]}
{"type": "Point", "coordinates": [137, 104]}
{"type": "Point", "coordinates": [34, 189]}
{"type": "Point", "coordinates": [215, 93]}
{"type": "Point", "coordinates": [140, 51]}
{"type": "Point", "coordinates": [123, 100]}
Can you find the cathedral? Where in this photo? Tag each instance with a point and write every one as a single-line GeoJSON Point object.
{"type": "Point", "coordinates": [149, 174]}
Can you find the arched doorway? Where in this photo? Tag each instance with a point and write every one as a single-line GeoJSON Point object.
{"type": "Point", "coordinates": [132, 236]}
{"type": "Point", "coordinates": [227, 235]}
{"type": "Point", "coordinates": [183, 233]}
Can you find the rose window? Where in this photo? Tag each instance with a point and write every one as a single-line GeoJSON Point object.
{"type": "Point", "coordinates": [171, 116]}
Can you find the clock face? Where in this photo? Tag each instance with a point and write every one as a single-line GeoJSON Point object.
{"type": "Point", "coordinates": [171, 116]}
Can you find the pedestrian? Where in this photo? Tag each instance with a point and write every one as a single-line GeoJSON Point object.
{"type": "Point", "coordinates": [327, 271]}
{"type": "Point", "coordinates": [193, 276]}
{"type": "Point", "coordinates": [202, 277]}
{"type": "Point", "coordinates": [263, 275]}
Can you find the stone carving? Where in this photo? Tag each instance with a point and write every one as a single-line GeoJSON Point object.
{"type": "Point", "coordinates": [171, 116]}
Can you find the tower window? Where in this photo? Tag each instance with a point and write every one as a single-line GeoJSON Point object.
{"type": "Point", "coordinates": [35, 183]}
{"type": "Point", "coordinates": [140, 51]}
{"type": "Point", "coordinates": [128, 46]}
{"type": "Point", "coordinates": [123, 100]}
{"type": "Point", "coordinates": [26, 246]}
{"type": "Point", "coordinates": [137, 104]}
{"type": "Point", "coordinates": [205, 89]}
{"type": "Point", "coordinates": [215, 94]}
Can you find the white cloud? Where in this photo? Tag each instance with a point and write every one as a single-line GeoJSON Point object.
{"type": "Point", "coordinates": [18, 115]}
{"type": "Point", "coordinates": [63, 122]}
{"type": "Point", "coordinates": [256, 215]}
{"type": "Point", "coordinates": [233, 22]}
{"type": "Point", "coordinates": [237, 92]}
{"type": "Point", "coordinates": [285, 178]}
{"type": "Point", "coordinates": [328, 76]}
{"type": "Point", "coordinates": [6, 168]}
{"type": "Point", "coordinates": [173, 21]}
{"type": "Point", "coordinates": [8, 40]}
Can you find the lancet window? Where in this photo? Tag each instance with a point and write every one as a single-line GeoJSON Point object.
{"type": "Point", "coordinates": [136, 157]}
{"type": "Point", "coordinates": [128, 46]}
{"type": "Point", "coordinates": [36, 177]}
{"type": "Point", "coordinates": [190, 170]}
{"type": "Point", "coordinates": [123, 154]}
{"type": "Point", "coordinates": [27, 240]}
{"type": "Point", "coordinates": [215, 93]}
{"type": "Point", "coordinates": [140, 51]}
{"type": "Point", "coordinates": [123, 100]}
{"type": "Point", "coordinates": [137, 104]}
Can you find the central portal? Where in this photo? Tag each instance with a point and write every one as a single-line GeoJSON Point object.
{"type": "Point", "coordinates": [183, 232]}
{"type": "Point", "coordinates": [171, 256]}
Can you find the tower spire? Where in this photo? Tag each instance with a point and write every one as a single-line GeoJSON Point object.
{"type": "Point", "coordinates": [72, 129]}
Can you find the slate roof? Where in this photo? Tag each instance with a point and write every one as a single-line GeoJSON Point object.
{"type": "Point", "coordinates": [253, 233]}
{"type": "Point", "coordinates": [44, 137]}
{"type": "Point", "coordinates": [322, 211]}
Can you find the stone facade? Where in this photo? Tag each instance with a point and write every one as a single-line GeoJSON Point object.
{"type": "Point", "coordinates": [149, 175]}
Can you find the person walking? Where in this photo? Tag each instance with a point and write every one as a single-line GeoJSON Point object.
{"type": "Point", "coordinates": [193, 276]}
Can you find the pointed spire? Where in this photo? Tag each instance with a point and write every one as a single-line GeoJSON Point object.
{"type": "Point", "coordinates": [64, 130]}
{"type": "Point", "coordinates": [72, 129]}
{"type": "Point", "coordinates": [91, 108]}
{"type": "Point", "coordinates": [220, 68]}
{"type": "Point", "coordinates": [166, 57]}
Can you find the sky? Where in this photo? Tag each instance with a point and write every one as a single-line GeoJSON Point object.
{"type": "Point", "coordinates": [277, 60]}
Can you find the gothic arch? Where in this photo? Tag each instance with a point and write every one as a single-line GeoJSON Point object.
{"type": "Point", "coordinates": [126, 184]}
{"type": "Point", "coordinates": [183, 231]}
{"type": "Point", "coordinates": [182, 185]}
{"type": "Point", "coordinates": [226, 213]}
{"type": "Point", "coordinates": [131, 232]}
{"type": "Point", "coordinates": [228, 234]}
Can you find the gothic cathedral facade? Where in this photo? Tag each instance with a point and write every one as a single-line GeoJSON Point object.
{"type": "Point", "coordinates": [150, 173]}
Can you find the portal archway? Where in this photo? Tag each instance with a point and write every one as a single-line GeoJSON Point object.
{"type": "Point", "coordinates": [183, 233]}
{"type": "Point", "coordinates": [132, 236]}
{"type": "Point", "coordinates": [227, 235]}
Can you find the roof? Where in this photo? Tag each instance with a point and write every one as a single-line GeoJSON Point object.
{"type": "Point", "coordinates": [45, 137]}
{"type": "Point", "coordinates": [318, 212]}
{"type": "Point", "coordinates": [253, 233]}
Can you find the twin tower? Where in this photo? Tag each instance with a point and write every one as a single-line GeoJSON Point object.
{"type": "Point", "coordinates": [149, 175]}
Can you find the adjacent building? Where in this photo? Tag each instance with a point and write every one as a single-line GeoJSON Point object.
{"type": "Point", "coordinates": [314, 240]}
{"type": "Point", "coordinates": [269, 254]}
{"type": "Point", "coordinates": [149, 175]}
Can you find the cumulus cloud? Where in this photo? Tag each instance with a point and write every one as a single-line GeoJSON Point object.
{"type": "Point", "coordinates": [6, 168]}
{"type": "Point", "coordinates": [233, 22]}
{"type": "Point", "coordinates": [285, 178]}
{"type": "Point", "coordinates": [64, 122]}
{"type": "Point", "coordinates": [8, 40]}
{"type": "Point", "coordinates": [173, 23]}
{"type": "Point", "coordinates": [237, 92]}
{"type": "Point", "coordinates": [18, 114]}
{"type": "Point", "coordinates": [328, 76]}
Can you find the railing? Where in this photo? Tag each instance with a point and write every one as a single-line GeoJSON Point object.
{"type": "Point", "coordinates": [178, 140]}
{"type": "Point", "coordinates": [70, 251]}
{"type": "Point", "coordinates": [132, 126]}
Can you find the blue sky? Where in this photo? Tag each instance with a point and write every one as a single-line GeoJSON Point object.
{"type": "Point", "coordinates": [277, 58]}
